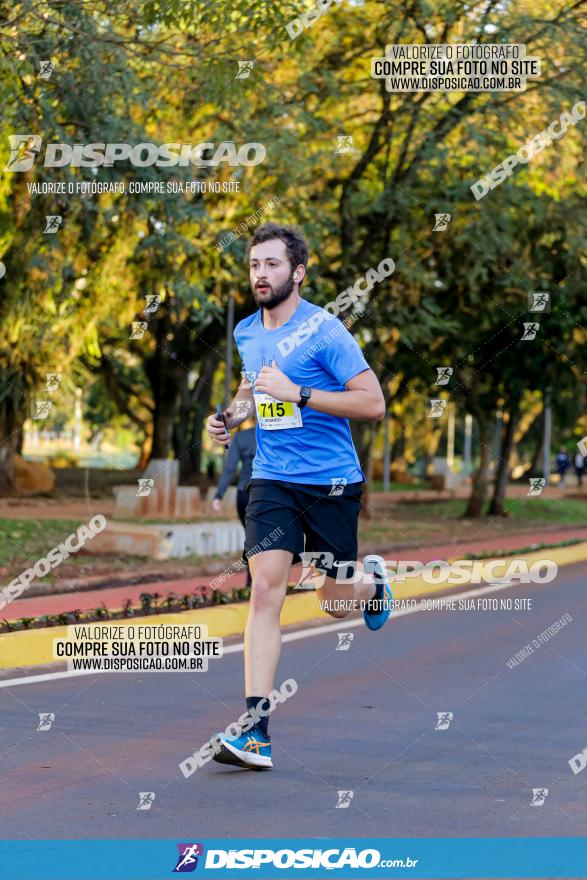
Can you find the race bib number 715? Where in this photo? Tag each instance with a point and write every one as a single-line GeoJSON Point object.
{"type": "Point", "coordinates": [275, 415]}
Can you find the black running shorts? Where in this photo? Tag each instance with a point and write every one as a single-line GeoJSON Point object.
{"type": "Point", "coordinates": [298, 517]}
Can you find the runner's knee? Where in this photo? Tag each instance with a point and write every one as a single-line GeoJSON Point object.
{"type": "Point", "coordinates": [265, 595]}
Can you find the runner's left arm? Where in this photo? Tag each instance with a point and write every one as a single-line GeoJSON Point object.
{"type": "Point", "coordinates": [343, 359]}
{"type": "Point", "coordinates": [362, 399]}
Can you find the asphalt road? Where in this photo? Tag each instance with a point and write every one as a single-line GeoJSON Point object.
{"type": "Point", "coordinates": [363, 720]}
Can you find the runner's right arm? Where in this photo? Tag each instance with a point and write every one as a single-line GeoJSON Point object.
{"type": "Point", "coordinates": [241, 408]}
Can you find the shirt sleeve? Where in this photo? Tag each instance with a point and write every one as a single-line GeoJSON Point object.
{"type": "Point", "coordinates": [342, 356]}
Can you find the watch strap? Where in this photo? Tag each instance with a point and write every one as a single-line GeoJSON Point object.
{"type": "Point", "coordinates": [304, 398]}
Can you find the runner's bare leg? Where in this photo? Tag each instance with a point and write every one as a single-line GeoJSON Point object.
{"type": "Point", "coordinates": [331, 590]}
{"type": "Point", "coordinates": [270, 572]}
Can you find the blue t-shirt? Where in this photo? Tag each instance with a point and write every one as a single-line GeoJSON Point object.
{"type": "Point", "coordinates": [313, 348]}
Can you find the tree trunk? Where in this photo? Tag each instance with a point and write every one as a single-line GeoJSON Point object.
{"type": "Point", "coordinates": [163, 426]}
{"type": "Point", "coordinates": [146, 447]}
{"type": "Point", "coordinates": [194, 410]}
{"type": "Point", "coordinates": [125, 406]}
{"type": "Point", "coordinates": [12, 417]}
{"type": "Point", "coordinates": [202, 408]}
{"type": "Point", "coordinates": [165, 378]}
{"type": "Point", "coordinates": [361, 436]}
{"type": "Point", "coordinates": [535, 465]}
{"type": "Point", "coordinates": [480, 480]}
{"type": "Point", "coordinates": [496, 507]}
{"type": "Point", "coordinates": [201, 413]}
{"type": "Point", "coordinates": [366, 499]}
{"type": "Point", "coordinates": [181, 429]}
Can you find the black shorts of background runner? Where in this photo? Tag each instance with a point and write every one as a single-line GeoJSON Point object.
{"type": "Point", "coordinates": [327, 521]}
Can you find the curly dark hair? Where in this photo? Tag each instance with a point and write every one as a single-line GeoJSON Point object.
{"type": "Point", "coordinates": [295, 243]}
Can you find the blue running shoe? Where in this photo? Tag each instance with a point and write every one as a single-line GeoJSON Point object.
{"type": "Point", "coordinates": [251, 750]}
{"type": "Point", "coordinates": [375, 565]}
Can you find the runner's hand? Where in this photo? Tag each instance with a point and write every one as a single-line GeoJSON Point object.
{"type": "Point", "coordinates": [275, 383]}
{"type": "Point", "coordinates": [217, 431]}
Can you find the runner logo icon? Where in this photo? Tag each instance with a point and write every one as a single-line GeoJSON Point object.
{"type": "Point", "coordinates": [23, 150]}
{"type": "Point", "coordinates": [344, 799]}
{"type": "Point", "coordinates": [444, 719]}
{"type": "Point", "coordinates": [539, 795]}
{"type": "Point", "coordinates": [344, 641]}
{"type": "Point", "coordinates": [187, 859]}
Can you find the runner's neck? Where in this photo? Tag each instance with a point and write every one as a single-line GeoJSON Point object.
{"type": "Point", "coordinates": [272, 319]}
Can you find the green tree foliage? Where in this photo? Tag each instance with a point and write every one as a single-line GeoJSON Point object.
{"type": "Point", "coordinates": [168, 72]}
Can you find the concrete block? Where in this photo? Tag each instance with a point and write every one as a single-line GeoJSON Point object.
{"type": "Point", "coordinates": [132, 540]}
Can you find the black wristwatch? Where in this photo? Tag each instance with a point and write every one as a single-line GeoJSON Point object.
{"type": "Point", "coordinates": [305, 394]}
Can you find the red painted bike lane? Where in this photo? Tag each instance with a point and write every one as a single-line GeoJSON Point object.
{"type": "Point", "coordinates": [113, 598]}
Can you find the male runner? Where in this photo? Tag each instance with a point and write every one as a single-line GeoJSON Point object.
{"type": "Point", "coordinates": [304, 376]}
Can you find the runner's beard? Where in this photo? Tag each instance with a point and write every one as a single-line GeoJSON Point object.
{"type": "Point", "coordinates": [280, 295]}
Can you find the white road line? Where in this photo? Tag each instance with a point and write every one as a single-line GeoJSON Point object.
{"type": "Point", "coordinates": [288, 637]}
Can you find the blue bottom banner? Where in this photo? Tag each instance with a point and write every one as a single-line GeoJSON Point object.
{"type": "Point", "coordinates": [548, 857]}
